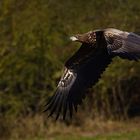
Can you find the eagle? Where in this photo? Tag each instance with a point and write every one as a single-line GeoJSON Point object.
{"type": "Point", "coordinates": [84, 68]}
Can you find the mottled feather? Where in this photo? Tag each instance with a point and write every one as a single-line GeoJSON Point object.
{"type": "Point", "coordinates": [123, 44]}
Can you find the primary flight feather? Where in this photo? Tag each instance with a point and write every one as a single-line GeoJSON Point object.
{"type": "Point", "coordinates": [85, 67]}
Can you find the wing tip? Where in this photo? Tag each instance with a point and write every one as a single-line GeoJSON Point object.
{"type": "Point", "coordinates": [58, 106]}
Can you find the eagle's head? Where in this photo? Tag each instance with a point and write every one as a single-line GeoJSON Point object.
{"type": "Point", "coordinates": [88, 38]}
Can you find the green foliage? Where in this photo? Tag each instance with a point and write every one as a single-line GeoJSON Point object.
{"type": "Point", "coordinates": [114, 136]}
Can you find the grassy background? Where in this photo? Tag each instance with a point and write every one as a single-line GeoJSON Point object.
{"type": "Point", "coordinates": [89, 130]}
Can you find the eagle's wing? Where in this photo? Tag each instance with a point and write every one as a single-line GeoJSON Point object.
{"type": "Point", "coordinates": [81, 71]}
{"type": "Point", "coordinates": [123, 44]}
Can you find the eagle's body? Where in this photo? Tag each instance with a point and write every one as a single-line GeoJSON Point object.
{"type": "Point", "coordinates": [85, 67]}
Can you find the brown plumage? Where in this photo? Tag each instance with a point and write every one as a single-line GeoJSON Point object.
{"type": "Point", "coordinates": [85, 67]}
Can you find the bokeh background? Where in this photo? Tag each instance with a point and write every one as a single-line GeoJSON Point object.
{"type": "Point", "coordinates": [34, 44]}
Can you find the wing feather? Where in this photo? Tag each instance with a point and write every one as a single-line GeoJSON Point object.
{"type": "Point", "coordinates": [123, 44]}
{"type": "Point", "coordinates": [76, 79]}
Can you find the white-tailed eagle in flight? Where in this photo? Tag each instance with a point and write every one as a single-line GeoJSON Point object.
{"type": "Point", "coordinates": [85, 67]}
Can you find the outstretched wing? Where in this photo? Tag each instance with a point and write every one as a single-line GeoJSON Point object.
{"type": "Point", "coordinates": [81, 71]}
{"type": "Point", "coordinates": [123, 44]}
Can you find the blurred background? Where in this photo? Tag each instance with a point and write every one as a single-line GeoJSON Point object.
{"type": "Point", "coordinates": [34, 44]}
